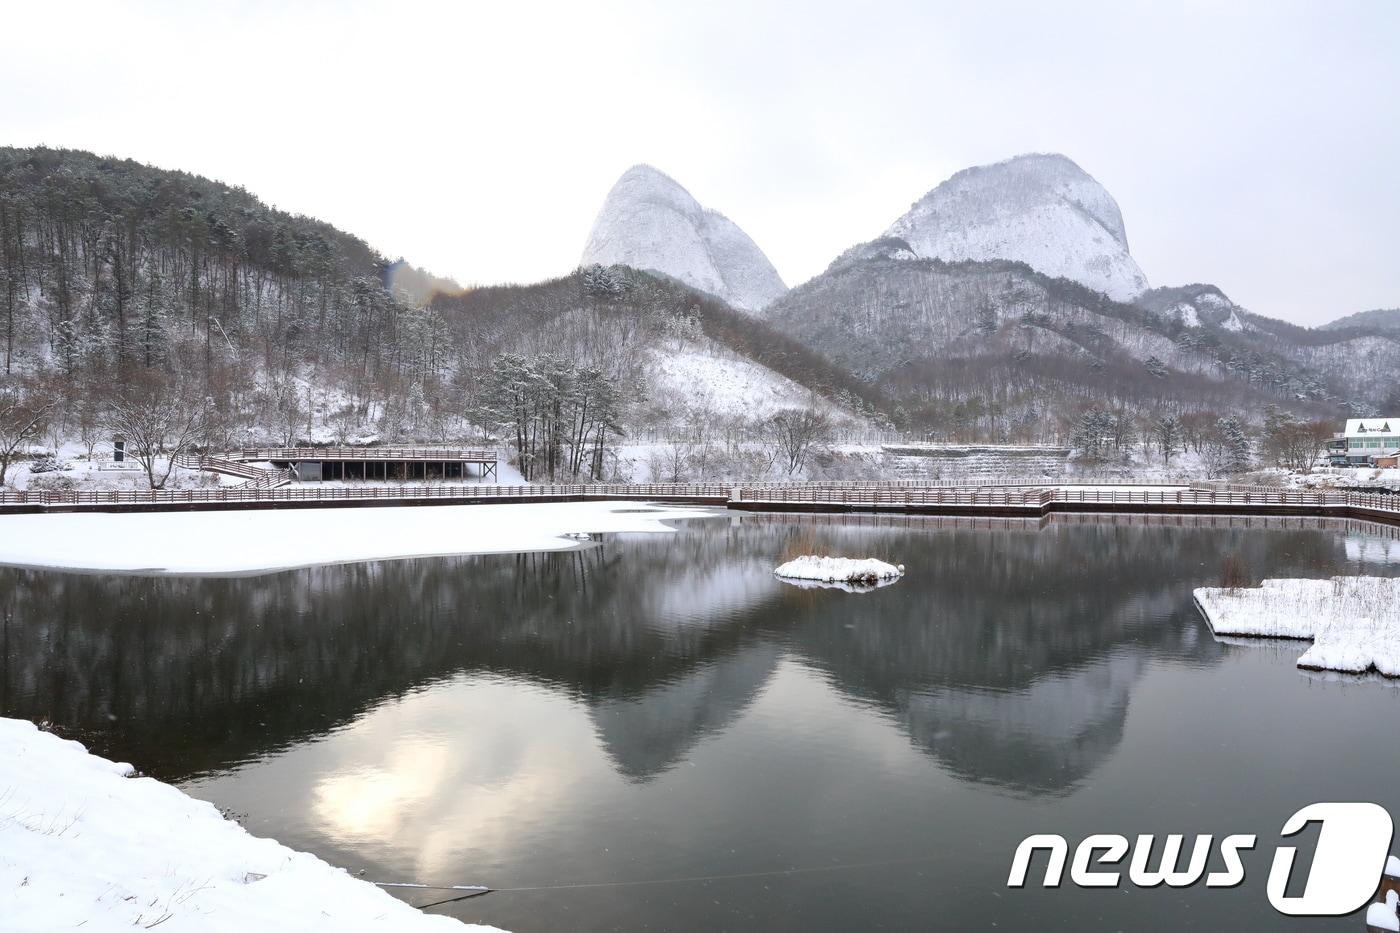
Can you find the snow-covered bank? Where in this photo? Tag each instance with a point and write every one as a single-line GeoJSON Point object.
{"type": "Point", "coordinates": [84, 846]}
{"type": "Point", "coordinates": [1354, 621]}
{"type": "Point", "coordinates": [839, 571]}
{"type": "Point", "coordinates": [275, 539]}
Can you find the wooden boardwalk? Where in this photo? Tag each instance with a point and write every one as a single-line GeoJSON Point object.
{"type": "Point", "coordinates": [903, 498]}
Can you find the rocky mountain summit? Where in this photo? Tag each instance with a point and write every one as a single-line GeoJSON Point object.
{"type": "Point", "coordinates": [1040, 209]}
{"type": "Point", "coordinates": [649, 221]}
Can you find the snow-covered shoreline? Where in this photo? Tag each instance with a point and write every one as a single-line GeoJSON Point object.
{"type": "Point", "coordinates": [267, 540]}
{"type": "Point", "coordinates": [1354, 622]}
{"type": "Point", "coordinates": [84, 844]}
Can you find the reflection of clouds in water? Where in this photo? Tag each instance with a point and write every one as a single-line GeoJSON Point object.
{"type": "Point", "coordinates": [368, 802]}
{"type": "Point", "coordinates": [460, 767]}
{"type": "Point", "coordinates": [706, 593]}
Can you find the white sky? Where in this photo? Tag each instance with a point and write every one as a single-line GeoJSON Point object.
{"type": "Point", "coordinates": [1255, 145]}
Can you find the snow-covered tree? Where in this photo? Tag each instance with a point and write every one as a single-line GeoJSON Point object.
{"type": "Point", "coordinates": [22, 415]}
{"type": "Point", "coordinates": [160, 421]}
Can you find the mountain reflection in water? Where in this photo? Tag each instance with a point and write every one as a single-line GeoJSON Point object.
{"type": "Point", "coordinates": [371, 711]}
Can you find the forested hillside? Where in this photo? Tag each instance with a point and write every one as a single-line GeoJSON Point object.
{"type": "Point", "coordinates": [124, 284]}
{"type": "Point", "coordinates": [1379, 318]}
{"type": "Point", "coordinates": [992, 350]}
{"type": "Point", "coordinates": [114, 274]}
{"type": "Point", "coordinates": [120, 279]}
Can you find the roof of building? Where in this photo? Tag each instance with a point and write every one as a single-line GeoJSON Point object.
{"type": "Point", "coordinates": [1357, 427]}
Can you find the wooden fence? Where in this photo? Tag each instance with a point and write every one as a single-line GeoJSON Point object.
{"type": "Point", "coordinates": [801, 496]}
{"type": "Point", "coordinates": [257, 476]}
{"type": "Point", "coordinates": [464, 454]}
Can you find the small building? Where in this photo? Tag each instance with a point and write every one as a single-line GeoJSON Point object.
{"type": "Point", "coordinates": [395, 464]}
{"type": "Point", "coordinates": [1370, 439]}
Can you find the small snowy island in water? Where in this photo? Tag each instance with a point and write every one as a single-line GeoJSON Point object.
{"type": "Point", "coordinates": [1354, 622]}
{"type": "Point", "coordinates": [839, 572]}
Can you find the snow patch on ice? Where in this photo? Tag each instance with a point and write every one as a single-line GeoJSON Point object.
{"type": "Point", "coordinates": [276, 539]}
{"type": "Point", "coordinates": [83, 845]}
{"type": "Point", "coordinates": [1354, 621]}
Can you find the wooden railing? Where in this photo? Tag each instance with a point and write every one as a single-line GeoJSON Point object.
{"type": "Point", "coordinates": [469, 454]}
{"type": "Point", "coordinates": [876, 497]}
{"type": "Point", "coordinates": [894, 495]}
{"type": "Point", "coordinates": [257, 476]}
{"type": "Point", "coordinates": [466, 492]}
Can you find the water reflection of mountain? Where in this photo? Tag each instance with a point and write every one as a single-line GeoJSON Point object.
{"type": "Point", "coordinates": [1009, 653]}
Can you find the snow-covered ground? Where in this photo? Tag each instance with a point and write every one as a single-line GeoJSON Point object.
{"type": "Point", "coordinates": [86, 845]}
{"type": "Point", "coordinates": [274, 539]}
{"type": "Point", "coordinates": [1354, 621]}
{"type": "Point", "coordinates": [88, 475]}
{"type": "Point", "coordinates": [703, 375]}
{"type": "Point", "coordinates": [1342, 478]}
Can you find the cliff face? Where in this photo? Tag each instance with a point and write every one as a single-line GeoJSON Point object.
{"type": "Point", "coordinates": [1042, 210]}
{"type": "Point", "coordinates": [648, 221]}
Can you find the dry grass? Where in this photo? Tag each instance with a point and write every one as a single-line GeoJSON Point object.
{"type": "Point", "coordinates": [1233, 575]}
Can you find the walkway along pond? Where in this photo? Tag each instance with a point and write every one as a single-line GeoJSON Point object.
{"type": "Point", "coordinates": [928, 499]}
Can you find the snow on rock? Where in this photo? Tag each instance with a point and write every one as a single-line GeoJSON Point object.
{"type": "Point", "coordinates": [1385, 916]}
{"type": "Point", "coordinates": [1186, 313]}
{"type": "Point", "coordinates": [1040, 209]}
{"type": "Point", "coordinates": [276, 539]}
{"type": "Point", "coordinates": [1392, 866]}
{"type": "Point", "coordinates": [838, 570]}
{"type": "Point", "coordinates": [83, 845]}
{"type": "Point", "coordinates": [648, 221]}
{"type": "Point", "coordinates": [1354, 621]}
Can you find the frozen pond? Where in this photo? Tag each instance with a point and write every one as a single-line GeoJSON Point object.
{"type": "Point", "coordinates": [661, 708]}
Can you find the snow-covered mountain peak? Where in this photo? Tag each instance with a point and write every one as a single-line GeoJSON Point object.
{"type": "Point", "coordinates": [649, 221]}
{"type": "Point", "coordinates": [1041, 209]}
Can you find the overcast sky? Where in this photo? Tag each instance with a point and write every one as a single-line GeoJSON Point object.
{"type": "Point", "coordinates": [1253, 145]}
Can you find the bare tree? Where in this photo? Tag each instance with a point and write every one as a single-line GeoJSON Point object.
{"type": "Point", "coordinates": [1168, 432]}
{"type": "Point", "coordinates": [159, 421]}
{"type": "Point", "coordinates": [794, 432]}
{"type": "Point", "coordinates": [21, 418]}
{"type": "Point", "coordinates": [1294, 444]}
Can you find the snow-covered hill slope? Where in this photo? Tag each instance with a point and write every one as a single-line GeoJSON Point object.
{"type": "Point", "coordinates": [1042, 210]}
{"type": "Point", "coordinates": [703, 375]}
{"type": "Point", "coordinates": [1378, 319]}
{"type": "Point", "coordinates": [648, 221]}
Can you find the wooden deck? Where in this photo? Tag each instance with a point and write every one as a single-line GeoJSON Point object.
{"type": "Point", "coordinates": [439, 454]}
{"type": "Point", "coordinates": [1000, 501]}
{"type": "Point", "coordinates": [313, 464]}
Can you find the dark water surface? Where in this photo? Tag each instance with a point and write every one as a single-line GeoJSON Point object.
{"type": "Point", "coordinates": [660, 707]}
